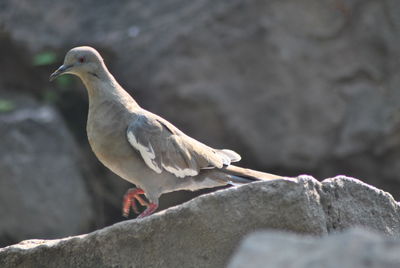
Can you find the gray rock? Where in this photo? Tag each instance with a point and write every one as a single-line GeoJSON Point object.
{"type": "Point", "coordinates": [291, 85]}
{"type": "Point", "coordinates": [347, 204]}
{"type": "Point", "coordinates": [298, 85]}
{"type": "Point", "coordinates": [354, 248]}
{"type": "Point", "coordinates": [205, 231]}
{"type": "Point", "coordinates": [42, 191]}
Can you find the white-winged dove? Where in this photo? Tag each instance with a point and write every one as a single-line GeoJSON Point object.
{"type": "Point", "coordinates": [144, 148]}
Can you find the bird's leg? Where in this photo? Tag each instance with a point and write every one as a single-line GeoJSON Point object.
{"type": "Point", "coordinates": [151, 207]}
{"type": "Point", "coordinates": [130, 198]}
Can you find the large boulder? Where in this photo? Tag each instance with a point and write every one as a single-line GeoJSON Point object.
{"type": "Point", "coordinates": [347, 204]}
{"type": "Point", "coordinates": [205, 231]}
{"type": "Point", "coordinates": [42, 191]}
{"type": "Point", "coordinates": [294, 85]}
{"type": "Point", "coordinates": [355, 248]}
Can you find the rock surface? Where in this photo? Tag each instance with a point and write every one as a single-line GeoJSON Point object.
{"type": "Point", "coordinates": [205, 231]}
{"type": "Point", "coordinates": [295, 86]}
{"type": "Point", "coordinates": [354, 248]}
{"type": "Point", "coordinates": [42, 190]}
{"type": "Point", "coordinates": [312, 85]}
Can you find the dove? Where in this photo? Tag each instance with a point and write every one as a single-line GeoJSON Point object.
{"type": "Point", "coordinates": [142, 147]}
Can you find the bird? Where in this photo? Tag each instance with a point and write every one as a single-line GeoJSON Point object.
{"type": "Point", "coordinates": [142, 147]}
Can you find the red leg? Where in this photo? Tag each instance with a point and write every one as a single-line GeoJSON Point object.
{"type": "Point", "coordinates": [130, 201]}
{"type": "Point", "coordinates": [130, 198]}
{"type": "Point", "coordinates": [149, 210]}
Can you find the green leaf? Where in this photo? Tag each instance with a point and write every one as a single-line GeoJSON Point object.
{"type": "Point", "coordinates": [44, 58]}
{"type": "Point", "coordinates": [64, 81]}
{"type": "Point", "coordinates": [50, 96]}
{"type": "Point", "coordinates": [6, 105]}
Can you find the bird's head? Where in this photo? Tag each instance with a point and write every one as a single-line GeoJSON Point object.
{"type": "Point", "coordinates": [80, 61]}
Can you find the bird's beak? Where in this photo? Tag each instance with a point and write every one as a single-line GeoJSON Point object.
{"type": "Point", "coordinates": [59, 71]}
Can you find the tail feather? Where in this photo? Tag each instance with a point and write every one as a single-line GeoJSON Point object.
{"type": "Point", "coordinates": [244, 175]}
{"type": "Point", "coordinates": [228, 156]}
{"type": "Point", "coordinates": [233, 156]}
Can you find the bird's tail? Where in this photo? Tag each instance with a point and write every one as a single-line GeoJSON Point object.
{"type": "Point", "coordinates": [240, 175]}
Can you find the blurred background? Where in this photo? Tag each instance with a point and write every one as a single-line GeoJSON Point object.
{"type": "Point", "coordinates": [294, 86]}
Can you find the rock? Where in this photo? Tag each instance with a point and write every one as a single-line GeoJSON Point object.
{"type": "Point", "coordinates": [293, 86]}
{"type": "Point", "coordinates": [205, 231]}
{"type": "Point", "coordinates": [355, 248]}
{"type": "Point", "coordinates": [347, 204]}
{"type": "Point", "coordinates": [42, 191]}
{"type": "Point", "coordinates": [307, 86]}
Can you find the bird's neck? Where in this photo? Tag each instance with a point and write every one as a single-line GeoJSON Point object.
{"type": "Point", "coordinates": [102, 86]}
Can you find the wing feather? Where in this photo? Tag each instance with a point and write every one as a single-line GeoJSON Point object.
{"type": "Point", "coordinates": [163, 146]}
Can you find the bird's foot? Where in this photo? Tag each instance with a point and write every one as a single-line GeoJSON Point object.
{"type": "Point", "coordinates": [151, 207]}
{"type": "Point", "coordinates": [130, 198]}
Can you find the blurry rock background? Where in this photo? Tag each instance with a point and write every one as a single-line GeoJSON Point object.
{"type": "Point", "coordinates": [294, 86]}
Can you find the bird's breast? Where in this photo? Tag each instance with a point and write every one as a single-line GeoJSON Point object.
{"type": "Point", "coordinates": [106, 131]}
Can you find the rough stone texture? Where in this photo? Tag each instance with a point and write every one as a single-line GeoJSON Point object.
{"type": "Point", "coordinates": [295, 86]}
{"type": "Point", "coordinates": [42, 191]}
{"type": "Point", "coordinates": [205, 231]}
{"type": "Point", "coordinates": [355, 248]}
{"type": "Point", "coordinates": [347, 204]}
{"type": "Point", "coordinates": [312, 85]}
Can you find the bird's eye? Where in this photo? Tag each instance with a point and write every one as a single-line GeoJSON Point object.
{"type": "Point", "coordinates": [81, 59]}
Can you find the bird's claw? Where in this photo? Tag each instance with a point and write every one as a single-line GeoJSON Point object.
{"type": "Point", "coordinates": [151, 207]}
{"type": "Point", "coordinates": [130, 198]}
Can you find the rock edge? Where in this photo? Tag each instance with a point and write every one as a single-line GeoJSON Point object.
{"type": "Point", "coordinates": [205, 231]}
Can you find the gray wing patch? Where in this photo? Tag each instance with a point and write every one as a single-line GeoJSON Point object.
{"type": "Point", "coordinates": [162, 146]}
{"type": "Point", "coordinates": [146, 151]}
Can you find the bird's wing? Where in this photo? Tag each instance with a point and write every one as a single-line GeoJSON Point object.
{"type": "Point", "coordinates": [163, 146]}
